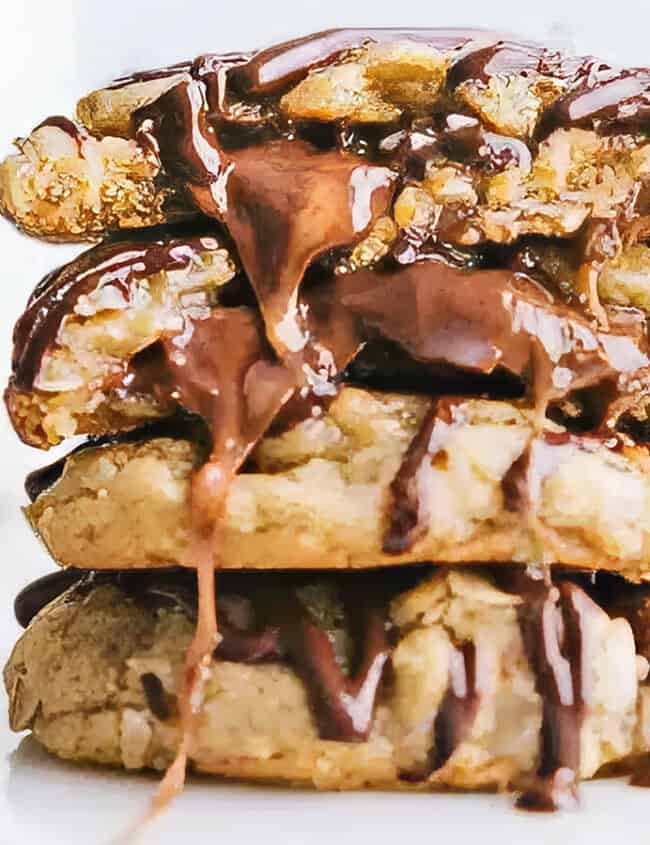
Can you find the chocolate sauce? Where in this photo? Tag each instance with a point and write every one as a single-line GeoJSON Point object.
{"type": "Point", "coordinates": [272, 70]}
{"type": "Point", "coordinates": [522, 484]}
{"type": "Point", "coordinates": [513, 58]}
{"type": "Point", "coordinates": [407, 510]}
{"type": "Point", "coordinates": [605, 96]}
{"type": "Point", "coordinates": [465, 138]}
{"type": "Point", "coordinates": [457, 712]}
{"type": "Point", "coordinates": [225, 373]}
{"type": "Point", "coordinates": [283, 202]}
{"type": "Point", "coordinates": [487, 320]}
{"type": "Point", "coordinates": [343, 702]}
{"type": "Point", "coordinates": [343, 706]}
{"type": "Point", "coordinates": [290, 204]}
{"type": "Point", "coordinates": [178, 121]}
{"type": "Point", "coordinates": [555, 629]}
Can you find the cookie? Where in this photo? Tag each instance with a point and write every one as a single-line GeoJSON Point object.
{"type": "Point", "coordinates": [324, 494]}
{"type": "Point", "coordinates": [96, 674]}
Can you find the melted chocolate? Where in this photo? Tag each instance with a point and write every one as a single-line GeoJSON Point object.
{"type": "Point", "coordinates": [513, 58]}
{"type": "Point", "coordinates": [555, 629]}
{"type": "Point", "coordinates": [272, 70]}
{"type": "Point", "coordinates": [226, 374]}
{"type": "Point", "coordinates": [522, 484]}
{"type": "Point", "coordinates": [457, 713]}
{"type": "Point", "coordinates": [605, 96]}
{"type": "Point", "coordinates": [343, 706]}
{"type": "Point", "coordinates": [284, 202]}
{"type": "Point", "coordinates": [287, 206]}
{"type": "Point", "coordinates": [488, 320]}
{"type": "Point", "coordinates": [465, 138]}
{"type": "Point", "coordinates": [407, 516]}
{"type": "Point", "coordinates": [343, 703]}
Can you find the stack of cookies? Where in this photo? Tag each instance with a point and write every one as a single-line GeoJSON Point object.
{"type": "Point", "coordinates": [364, 333]}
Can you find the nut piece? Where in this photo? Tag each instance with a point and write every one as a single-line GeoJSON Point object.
{"type": "Point", "coordinates": [511, 105]}
{"type": "Point", "coordinates": [372, 86]}
{"type": "Point", "coordinates": [626, 280]}
{"type": "Point", "coordinates": [108, 111]}
{"type": "Point", "coordinates": [75, 188]}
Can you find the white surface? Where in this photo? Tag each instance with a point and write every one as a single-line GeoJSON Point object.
{"type": "Point", "coordinates": [52, 52]}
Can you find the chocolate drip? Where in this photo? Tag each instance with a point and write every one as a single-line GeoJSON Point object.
{"type": "Point", "coordinates": [407, 517]}
{"type": "Point", "coordinates": [178, 122]}
{"type": "Point", "coordinates": [270, 71]}
{"type": "Point", "coordinates": [284, 202]}
{"type": "Point", "coordinates": [457, 713]}
{"type": "Point", "coordinates": [554, 625]}
{"type": "Point", "coordinates": [606, 96]}
{"type": "Point", "coordinates": [226, 374]}
{"type": "Point", "coordinates": [513, 58]}
{"type": "Point", "coordinates": [343, 706]}
{"type": "Point", "coordinates": [290, 204]}
{"type": "Point", "coordinates": [522, 484]}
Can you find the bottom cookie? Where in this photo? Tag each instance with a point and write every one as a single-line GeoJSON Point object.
{"type": "Point", "coordinates": [424, 678]}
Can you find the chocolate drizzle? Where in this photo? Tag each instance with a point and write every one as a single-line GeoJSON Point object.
{"type": "Point", "coordinates": [343, 706]}
{"type": "Point", "coordinates": [272, 70]}
{"type": "Point", "coordinates": [290, 205]}
{"type": "Point", "coordinates": [342, 702]}
{"type": "Point", "coordinates": [407, 516]}
{"type": "Point", "coordinates": [457, 714]}
{"type": "Point", "coordinates": [486, 320]}
{"type": "Point", "coordinates": [116, 265]}
{"type": "Point", "coordinates": [556, 633]}
{"type": "Point", "coordinates": [284, 202]}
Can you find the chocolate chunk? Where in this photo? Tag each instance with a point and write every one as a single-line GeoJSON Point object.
{"type": "Point", "coordinates": [156, 696]}
{"type": "Point", "coordinates": [486, 320]}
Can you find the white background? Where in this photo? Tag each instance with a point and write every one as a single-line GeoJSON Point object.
{"type": "Point", "coordinates": [51, 52]}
